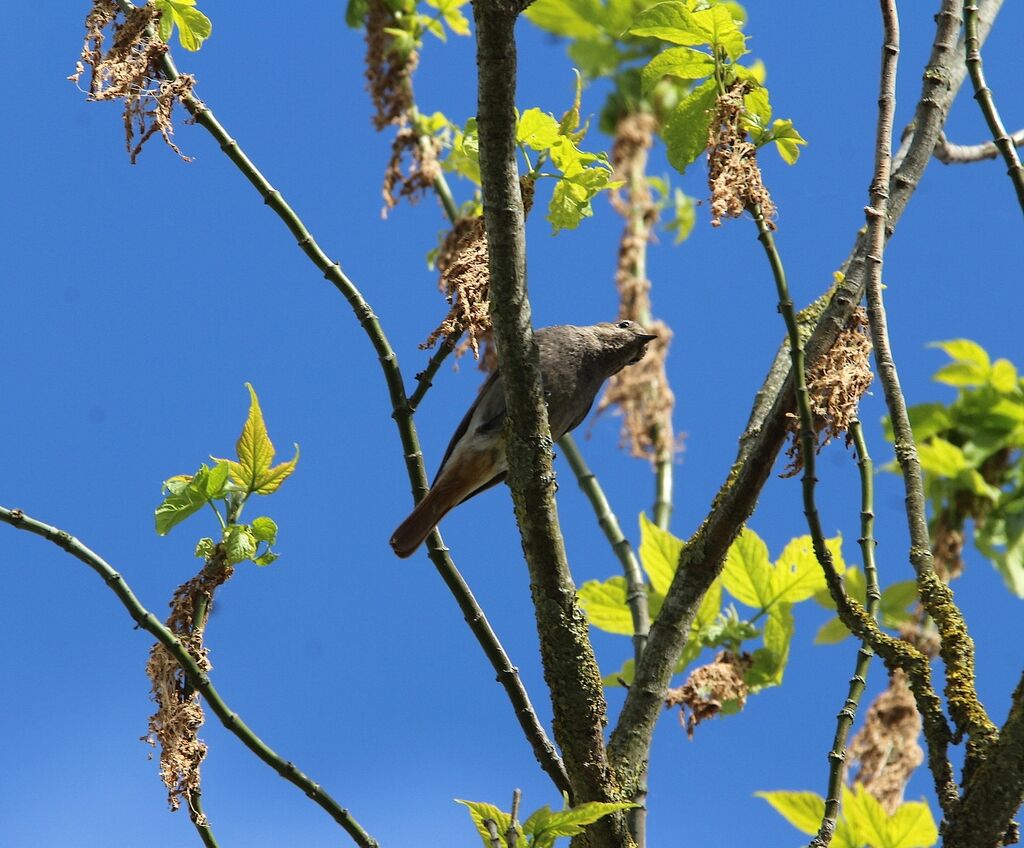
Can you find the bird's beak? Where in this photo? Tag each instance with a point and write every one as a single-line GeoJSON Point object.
{"type": "Point", "coordinates": [646, 337]}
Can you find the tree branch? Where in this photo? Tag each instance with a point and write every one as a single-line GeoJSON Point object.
{"type": "Point", "coordinates": [197, 677]}
{"type": "Point", "coordinates": [702, 556]}
{"type": "Point", "coordinates": [983, 94]}
{"type": "Point", "coordinates": [570, 668]}
{"type": "Point", "coordinates": [507, 674]}
{"type": "Point", "coordinates": [960, 154]}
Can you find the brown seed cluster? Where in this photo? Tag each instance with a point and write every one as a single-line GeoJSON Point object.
{"type": "Point", "coordinates": [733, 174]}
{"type": "Point", "coordinates": [886, 746]}
{"type": "Point", "coordinates": [836, 382]}
{"type": "Point", "coordinates": [641, 392]}
{"type": "Point", "coordinates": [129, 70]}
{"type": "Point", "coordinates": [423, 167]}
{"type": "Point", "coordinates": [465, 278]}
{"type": "Point", "coordinates": [709, 687]}
{"type": "Point", "coordinates": [179, 716]}
{"type": "Point", "coordinates": [388, 71]}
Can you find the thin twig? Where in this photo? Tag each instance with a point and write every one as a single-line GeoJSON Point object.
{"type": "Point", "coordinates": [636, 589]}
{"type": "Point", "coordinates": [198, 678]}
{"type": "Point", "coordinates": [199, 820]}
{"type": "Point", "coordinates": [424, 377]}
{"type": "Point", "coordinates": [846, 716]}
{"type": "Point", "coordinates": [956, 647]}
{"type": "Point", "coordinates": [512, 835]}
{"type": "Point", "coordinates": [983, 94]}
{"type": "Point", "coordinates": [508, 674]}
{"type": "Point", "coordinates": [492, 831]}
{"type": "Point", "coordinates": [962, 154]}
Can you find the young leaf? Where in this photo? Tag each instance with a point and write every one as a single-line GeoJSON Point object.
{"type": "Point", "coordinates": [545, 825]}
{"type": "Point", "coordinates": [252, 472]}
{"type": "Point", "coordinates": [798, 575]}
{"type": "Point", "coordinates": [193, 26]}
{"type": "Point", "coordinates": [686, 132]}
{"type": "Point", "coordinates": [239, 543]}
{"type": "Point", "coordinates": [787, 140]}
{"type": "Point", "coordinates": [747, 574]}
{"type": "Point", "coordinates": [803, 810]}
{"type": "Point", "coordinates": [964, 350]}
{"type": "Point", "coordinates": [568, 18]}
{"type": "Point", "coordinates": [659, 554]}
{"type": "Point", "coordinates": [187, 495]}
{"type": "Point", "coordinates": [941, 457]}
{"type": "Point", "coordinates": [832, 632]}
{"type": "Point", "coordinates": [537, 129]}
{"type": "Point", "coordinates": [672, 22]}
{"type": "Point", "coordinates": [682, 222]}
{"type": "Point", "coordinates": [770, 661]}
{"type": "Point", "coordinates": [723, 32]}
{"type": "Point", "coordinates": [1004, 376]}
{"type": "Point", "coordinates": [480, 811]}
{"type": "Point", "coordinates": [605, 605]}
{"type": "Point", "coordinates": [264, 530]}
{"type": "Point", "coordinates": [682, 62]}
{"type": "Point", "coordinates": [912, 826]}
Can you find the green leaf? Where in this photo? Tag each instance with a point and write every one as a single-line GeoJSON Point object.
{"type": "Point", "coordinates": [926, 419]}
{"type": "Point", "coordinates": [682, 223]}
{"type": "Point", "coordinates": [266, 558]}
{"type": "Point", "coordinates": [722, 30]}
{"type": "Point", "coordinates": [239, 543]}
{"type": "Point", "coordinates": [748, 573]}
{"type": "Point", "coordinates": [758, 109]}
{"type": "Point", "coordinates": [546, 825]}
{"type": "Point", "coordinates": [912, 826]}
{"type": "Point", "coordinates": [536, 129]}
{"type": "Point", "coordinates": [961, 374]}
{"type": "Point", "coordinates": [205, 548]}
{"type": "Point", "coordinates": [770, 661]}
{"type": "Point", "coordinates": [787, 140]}
{"type": "Point", "coordinates": [866, 816]}
{"type": "Point", "coordinates": [605, 605]}
{"type": "Point", "coordinates": [187, 495]}
{"type": "Point", "coordinates": [682, 62]}
{"type": "Point", "coordinates": [255, 450]}
{"type": "Point", "coordinates": [895, 600]}
{"type": "Point", "coordinates": [480, 811]}
{"type": "Point", "coordinates": [964, 350]}
{"type": "Point", "coordinates": [941, 457]}
{"type": "Point", "coordinates": [672, 22]}
{"type": "Point", "coordinates": [1004, 376]}
{"type": "Point", "coordinates": [623, 675]}
{"type": "Point", "coordinates": [264, 529]}
{"type": "Point", "coordinates": [832, 632]}
{"type": "Point", "coordinates": [355, 13]}
{"type": "Point", "coordinates": [569, 18]}
{"type": "Point", "coordinates": [659, 554]}
{"type": "Point", "coordinates": [803, 810]}
{"type": "Point", "coordinates": [571, 119]}
{"type": "Point", "coordinates": [703, 622]}
{"type": "Point", "coordinates": [193, 26]}
{"type": "Point", "coordinates": [798, 576]}
{"type": "Point", "coordinates": [686, 131]}
{"type": "Point", "coordinates": [273, 478]}
{"type": "Point", "coordinates": [571, 199]}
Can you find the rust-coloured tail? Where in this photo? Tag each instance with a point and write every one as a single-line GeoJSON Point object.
{"type": "Point", "coordinates": [412, 532]}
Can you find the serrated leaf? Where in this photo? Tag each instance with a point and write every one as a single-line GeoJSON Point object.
{"type": "Point", "coordinates": [659, 554]}
{"type": "Point", "coordinates": [803, 810]}
{"type": "Point", "coordinates": [866, 816]}
{"type": "Point", "coordinates": [569, 18]}
{"type": "Point", "coordinates": [747, 574]}
{"type": "Point", "coordinates": [686, 131]}
{"type": "Point", "coordinates": [264, 529]}
{"type": "Point", "coordinates": [480, 811]}
{"type": "Point", "coordinates": [605, 605]}
{"type": "Point", "coordinates": [770, 661]}
{"type": "Point", "coordinates": [722, 30]}
{"type": "Point", "coordinates": [271, 481]}
{"type": "Point", "coordinates": [255, 450]}
{"type": "Point", "coordinates": [571, 199]}
{"type": "Point", "coordinates": [193, 26]}
{"type": "Point", "coordinates": [911, 826]}
{"type": "Point", "coordinates": [965, 350]}
{"type": "Point", "coordinates": [682, 62]}
{"type": "Point", "coordinates": [537, 129]}
{"type": "Point", "coordinates": [797, 574]}
{"type": "Point", "coordinates": [554, 824]}
{"type": "Point", "coordinates": [187, 495]}
{"type": "Point", "coordinates": [239, 543]}
{"type": "Point", "coordinates": [787, 140]}
{"type": "Point", "coordinates": [672, 22]}
{"type": "Point", "coordinates": [205, 548]}
{"type": "Point", "coordinates": [938, 456]}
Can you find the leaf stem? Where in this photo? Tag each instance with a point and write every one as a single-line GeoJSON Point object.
{"type": "Point", "coordinates": [197, 677]}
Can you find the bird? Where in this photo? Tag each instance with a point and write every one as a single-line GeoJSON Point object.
{"type": "Point", "coordinates": [574, 363]}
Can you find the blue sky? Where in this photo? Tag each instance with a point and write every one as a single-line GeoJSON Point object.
{"type": "Point", "coordinates": [140, 299]}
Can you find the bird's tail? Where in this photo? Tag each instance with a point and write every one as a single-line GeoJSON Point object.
{"type": "Point", "coordinates": [412, 532]}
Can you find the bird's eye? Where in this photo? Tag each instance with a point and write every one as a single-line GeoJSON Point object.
{"type": "Point", "coordinates": [625, 325]}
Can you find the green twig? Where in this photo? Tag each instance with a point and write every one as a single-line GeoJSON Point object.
{"type": "Point", "coordinates": [983, 94]}
{"type": "Point", "coordinates": [956, 647]}
{"type": "Point", "coordinates": [424, 377]}
{"type": "Point", "coordinates": [199, 820]}
{"type": "Point", "coordinates": [507, 673]}
{"type": "Point", "coordinates": [844, 721]}
{"type": "Point", "coordinates": [636, 589]}
{"type": "Point", "coordinates": [197, 677]}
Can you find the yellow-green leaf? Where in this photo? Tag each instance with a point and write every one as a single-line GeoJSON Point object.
{"type": "Point", "coordinates": [271, 481]}
{"type": "Point", "coordinates": [1004, 376]}
{"type": "Point", "coordinates": [255, 450]}
{"type": "Point", "coordinates": [912, 826]}
{"type": "Point", "coordinates": [941, 457]}
{"type": "Point", "coordinates": [797, 572]}
{"type": "Point", "coordinates": [659, 554]}
{"type": "Point", "coordinates": [748, 573]}
{"type": "Point", "coordinates": [537, 129]}
{"type": "Point", "coordinates": [803, 810]}
{"type": "Point", "coordinates": [606, 606]}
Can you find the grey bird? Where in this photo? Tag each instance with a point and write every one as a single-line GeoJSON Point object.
{"type": "Point", "coordinates": [574, 363]}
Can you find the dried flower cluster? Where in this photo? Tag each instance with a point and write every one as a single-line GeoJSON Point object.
{"type": "Point", "coordinates": [641, 392]}
{"type": "Point", "coordinates": [733, 174]}
{"type": "Point", "coordinates": [388, 71]}
{"type": "Point", "coordinates": [886, 746]}
{"type": "Point", "coordinates": [179, 715]}
{"type": "Point", "coordinates": [709, 687]}
{"type": "Point", "coordinates": [421, 152]}
{"type": "Point", "coordinates": [836, 382]}
{"type": "Point", "coordinates": [130, 71]}
{"type": "Point", "coordinates": [465, 277]}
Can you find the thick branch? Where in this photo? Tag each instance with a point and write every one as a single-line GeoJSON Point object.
{"type": "Point", "coordinates": [702, 557]}
{"type": "Point", "coordinates": [197, 677]}
{"type": "Point", "coordinates": [569, 665]}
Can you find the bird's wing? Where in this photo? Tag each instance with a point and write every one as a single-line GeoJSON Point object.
{"type": "Point", "coordinates": [490, 395]}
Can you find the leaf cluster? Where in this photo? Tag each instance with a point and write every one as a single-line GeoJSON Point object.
{"type": "Point", "coordinates": [863, 822]}
{"type": "Point", "coordinates": [411, 23]}
{"type": "Point", "coordinates": [542, 827]}
{"type": "Point", "coordinates": [971, 455]}
{"type": "Point", "coordinates": [225, 487]}
{"type": "Point", "coordinates": [192, 25]}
